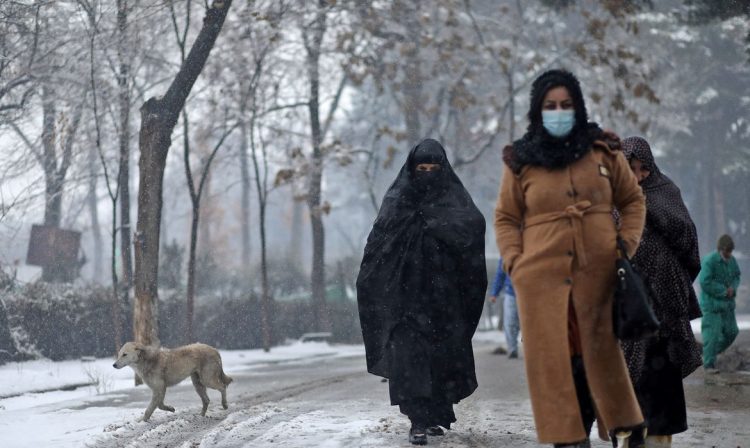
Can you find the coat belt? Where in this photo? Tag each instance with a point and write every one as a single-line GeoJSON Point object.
{"type": "Point", "coordinates": [575, 214]}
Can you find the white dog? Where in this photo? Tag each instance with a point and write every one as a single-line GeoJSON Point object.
{"type": "Point", "coordinates": [161, 368]}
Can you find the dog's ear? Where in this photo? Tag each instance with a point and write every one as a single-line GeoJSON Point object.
{"type": "Point", "coordinates": [139, 347]}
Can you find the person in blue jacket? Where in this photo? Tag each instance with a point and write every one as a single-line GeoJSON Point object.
{"type": "Point", "coordinates": [511, 323]}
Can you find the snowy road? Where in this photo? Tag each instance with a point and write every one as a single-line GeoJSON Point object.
{"type": "Point", "coordinates": [329, 401]}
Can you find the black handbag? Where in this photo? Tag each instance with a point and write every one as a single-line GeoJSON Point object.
{"type": "Point", "coordinates": [632, 315]}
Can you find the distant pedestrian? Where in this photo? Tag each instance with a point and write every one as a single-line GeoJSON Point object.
{"type": "Point", "coordinates": [554, 228]}
{"type": "Point", "coordinates": [421, 291]}
{"type": "Point", "coordinates": [511, 324]}
{"type": "Point", "coordinates": [668, 258]}
{"type": "Point", "coordinates": [719, 280]}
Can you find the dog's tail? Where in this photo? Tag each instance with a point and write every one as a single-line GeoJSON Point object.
{"type": "Point", "coordinates": [225, 379]}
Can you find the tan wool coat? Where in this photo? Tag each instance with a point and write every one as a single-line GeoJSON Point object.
{"type": "Point", "coordinates": [557, 236]}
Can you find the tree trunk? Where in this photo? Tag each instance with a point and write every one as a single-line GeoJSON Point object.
{"type": "Point", "coordinates": [154, 144]}
{"type": "Point", "coordinates": [116, 302]}
{"type": "Point", "coordinates": [158, 119]}
{"type": "Point", "coordinates": [191, 274]}
{"type": "Point", "coordinates": [53, 188]}
{"type": "Point", "coordinates": [294, 252]}
{"type": "Point", "coordinates": [265, 303]}
{"type": "Point", "coordinates": [318, 275]}
{"type": "Point", "coordinates": [124, 140]}
{"type": "Point", "coordinates": [262, 189]}
{"type": "Point", "coordinates": [93, 203]}
{"type": "Point", "coordinates": [320, 310]}
{"type": "Point", "coordinates": [245, 202]}
{"type": "Point", "coordinates": [54, 175]}
{"type": "Point", "coordinates": [207, 215]}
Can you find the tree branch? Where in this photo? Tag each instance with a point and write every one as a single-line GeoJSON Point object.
{"type": "Point", "coordinates": [25, 139]}
{"type": "Point", "coordinates": [67, 155]}
{"type": "Point", "coordinates": [334, 106]}
{"type": "Point", "coordinates": [179, 90]}
{"type": "Point", "coordinates": [207, 166]}
{"type": "Point", "coordinates": [285, 106]}
{"type": "Point", "coordinates": [194, 197]}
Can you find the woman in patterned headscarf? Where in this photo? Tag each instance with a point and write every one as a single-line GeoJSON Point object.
{"type": "Point", "coordinates": [668, 258]}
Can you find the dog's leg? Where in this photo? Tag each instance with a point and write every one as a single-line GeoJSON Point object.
{"type": "Point", "coordinates": [223, 391]}
{"type": "Point", "coordinates": [157, 400]}
{"type": "Point", "coordinates": [201, 389]}
{"type": "Point", "coordinates": [165, 407]}
{"type": "Point", "coordinates": [162, 394]}
{"type": "Point", "coordinates": [213, 379]}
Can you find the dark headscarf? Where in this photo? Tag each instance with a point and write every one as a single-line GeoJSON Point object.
{"type": "Point", "coordinates": [423, 268]}
{"type": "Point", "coordinates": [537, 147]}
{"type": "Point", "coordinates": [669, 259]}
{"type": "Point", "coordinates": [638, 148]}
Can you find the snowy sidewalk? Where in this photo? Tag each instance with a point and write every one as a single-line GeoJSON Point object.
{"type": "Point", "coordinates": [310, 395]}
{"type": "Point", "coordinates": [19, 381]}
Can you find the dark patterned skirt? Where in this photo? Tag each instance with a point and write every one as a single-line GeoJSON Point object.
{"type": "Point", "coordinates": [660, 392]}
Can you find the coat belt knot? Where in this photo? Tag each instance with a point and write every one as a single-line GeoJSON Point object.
{"type": "Point", "coordinates": [575, 214]}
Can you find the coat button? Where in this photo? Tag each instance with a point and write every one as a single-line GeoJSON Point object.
{"type": "Point", "coordinates": [568, 281]}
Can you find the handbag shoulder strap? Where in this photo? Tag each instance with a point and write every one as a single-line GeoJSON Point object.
{"type": "Point", "coordinates": [621, 252]}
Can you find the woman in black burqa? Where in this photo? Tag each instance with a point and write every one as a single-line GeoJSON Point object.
{"type": "Point", "coordinates": [421, 289]}
{"type": "Point", "coordinates": [668, 258]}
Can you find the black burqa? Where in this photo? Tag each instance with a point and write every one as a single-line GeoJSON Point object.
{"type": "Point", "coordinates": [669, 260]}
{"type": "Point", "coordinates": [421, 288]}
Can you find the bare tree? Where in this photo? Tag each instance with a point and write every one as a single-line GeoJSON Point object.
{"type": "Point", "coordinates": [196, 193]}
{"type": "Point", "coordinates": [123, 80]}
{"type": "Point", "coordinates": [313, 33]}
{"type": "Point", "coordinates": [158, 119]}
{"type": "Point", "coordinates": [195, 190]}
{"type": "Point", "coordinates": [19, 47]}
{"type": "Point", "coordinates": [252, 102]}
{"type": "Point", "coordinates": [93, 14]}
{"type": "Point", "coordinates": [93, 205]}
{"type": "Point", "coordinates": [55, 157]}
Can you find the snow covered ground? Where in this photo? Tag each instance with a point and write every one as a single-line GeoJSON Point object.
{"type": "Point", "coordinates": [43, 375]}
{"type": "Point", "coordinates": [62, 418]}
{"type": "Point", "coordinates": [300, 395]}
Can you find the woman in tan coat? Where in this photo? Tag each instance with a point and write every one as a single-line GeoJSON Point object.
{"type": "Point", "coordinates": [554, 227]}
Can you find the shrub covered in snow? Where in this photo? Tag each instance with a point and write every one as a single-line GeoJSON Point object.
{"type": "Point", "coordinates": [68, 321]}
{"type": "Point", "coordinates": [63, 321]}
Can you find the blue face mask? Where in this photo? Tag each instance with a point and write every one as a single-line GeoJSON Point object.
{"type": "Point", "coordinates": [558, 123]}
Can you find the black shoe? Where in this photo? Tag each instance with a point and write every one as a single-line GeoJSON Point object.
{"type": "Point", "coordinates": [435, 431]}
{"type": "Point", "coordinates": [417, 436]}
{"type": "Point", "coordinates": [513, 354]}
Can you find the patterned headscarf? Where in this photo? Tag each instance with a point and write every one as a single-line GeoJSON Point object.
{"type": "Point", "coordinates": [638, 148]}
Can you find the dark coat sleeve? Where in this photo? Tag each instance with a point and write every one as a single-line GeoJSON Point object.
{"type": "Point", "coordinates": [672, 220]}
